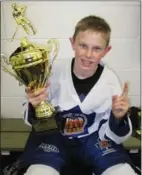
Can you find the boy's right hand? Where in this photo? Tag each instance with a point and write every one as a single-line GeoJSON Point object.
{"type": "Point", "coordinates": [36, 97]}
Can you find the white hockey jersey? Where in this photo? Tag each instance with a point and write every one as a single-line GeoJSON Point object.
{"type": "Point", "coordinates": [93, 114]}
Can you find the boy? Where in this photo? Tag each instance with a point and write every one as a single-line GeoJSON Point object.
{"type": "Point", "coordinates": [92, 110]}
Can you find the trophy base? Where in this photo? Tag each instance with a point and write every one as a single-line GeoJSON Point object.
{"type": "Point", "coordinates": [46, 124]}
{"type": "Point", "coordinates": [44, 110]}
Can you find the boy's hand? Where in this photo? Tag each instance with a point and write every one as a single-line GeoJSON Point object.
{"type": "Point", "coordinates": [120, 104]}
{"type": "Point", "coordinates": [35, 98]}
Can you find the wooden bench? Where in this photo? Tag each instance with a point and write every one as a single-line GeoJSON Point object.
{"type": "Point", "coordinates": [14, 134]}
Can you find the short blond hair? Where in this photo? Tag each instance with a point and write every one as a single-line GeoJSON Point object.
{"type": "Point", "coordinates": [95, 24]}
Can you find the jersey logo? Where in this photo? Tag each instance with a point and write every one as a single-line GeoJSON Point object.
{"type": "Point", "coordinates": [48, 148]}
{"type": "Point", "coordinates": [74, 124]}
{"type": "Point", "coordinates": [104, 146]}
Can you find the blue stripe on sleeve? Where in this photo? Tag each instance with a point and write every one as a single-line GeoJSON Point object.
{"type": "Point", "coordinates": [119, 127]}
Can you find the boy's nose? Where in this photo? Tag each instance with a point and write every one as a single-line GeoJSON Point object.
{"type": "Point", "coordinates": [88, 53]}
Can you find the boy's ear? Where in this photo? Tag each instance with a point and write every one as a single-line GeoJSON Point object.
{"type": "Point", "coordinates": [107, 50]}
{"type": "Point", "coordinates": [72, 42]}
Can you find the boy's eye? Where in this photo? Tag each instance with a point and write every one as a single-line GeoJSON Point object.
{"type": "Point", "coordinates": [97, 49]}
{"type": "Point", "coordinates": [83, 45]}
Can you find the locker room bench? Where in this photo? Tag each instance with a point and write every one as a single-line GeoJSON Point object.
{"type": "Point", "coordinates": [14, 133]}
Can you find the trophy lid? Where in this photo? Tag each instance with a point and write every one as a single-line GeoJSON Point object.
{"type": "Point", "coordinates": [28, 55]}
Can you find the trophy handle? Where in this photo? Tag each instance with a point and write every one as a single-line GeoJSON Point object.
{"type": "Point", "coordinates": [5, 64]}
{"type": "Point", "coordinates": [53, 48]}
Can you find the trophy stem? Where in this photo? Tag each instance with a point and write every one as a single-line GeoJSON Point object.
{"type": "Point", "coordinates": [44, 110]}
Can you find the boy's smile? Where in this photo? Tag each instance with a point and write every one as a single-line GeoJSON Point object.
{"type": "Point", "coordinates": [86, 63]}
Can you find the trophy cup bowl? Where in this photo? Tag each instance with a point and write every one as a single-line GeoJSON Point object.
{"type": "Point", "coordinates": [31, 66]}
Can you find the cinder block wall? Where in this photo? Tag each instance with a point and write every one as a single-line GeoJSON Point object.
{"type": "Point", "coordinates": [53, 19]}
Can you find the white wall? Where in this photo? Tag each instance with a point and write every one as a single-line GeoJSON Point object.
{"type": "Point", "coordinates": [54, 19]}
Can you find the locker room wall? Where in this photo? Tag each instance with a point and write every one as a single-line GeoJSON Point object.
{"type": "Point", "coordinates": [57, 19]}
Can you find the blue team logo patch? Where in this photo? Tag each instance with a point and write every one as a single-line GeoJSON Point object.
{"type": "Point", "coordinates": [74, 124]}
{"type": "Point", "coordinates": [105, 147]}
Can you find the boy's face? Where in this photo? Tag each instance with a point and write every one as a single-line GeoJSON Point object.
{"type": "Point", "coordinates": [90, 48]}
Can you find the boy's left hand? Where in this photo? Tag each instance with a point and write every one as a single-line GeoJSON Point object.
{"type": "Point", "coordinates": [120, 104]}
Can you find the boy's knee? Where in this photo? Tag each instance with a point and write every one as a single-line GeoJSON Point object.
{"type": "Point", "coordinates": [38, 169]}
{"type": "Point", "coordinates": [119, 169]}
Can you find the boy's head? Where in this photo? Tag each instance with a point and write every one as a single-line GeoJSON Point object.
{"type": "Point", "coordinates": [94, 24]}
{"type": "Point", "coordinates": [90, 43]}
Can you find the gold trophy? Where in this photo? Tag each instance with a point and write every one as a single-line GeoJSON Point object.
{"type": "Point", "coordinates": [31, 65]}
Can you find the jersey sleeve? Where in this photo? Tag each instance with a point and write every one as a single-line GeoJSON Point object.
{"type": "Point", "coordinates": [116, 130]}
